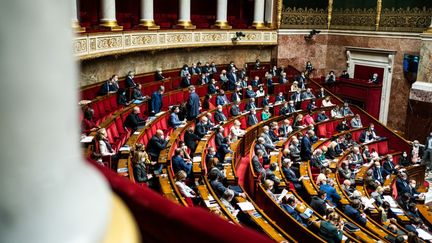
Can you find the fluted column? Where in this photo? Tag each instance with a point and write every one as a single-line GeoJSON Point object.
{"type": "Point", "coordinates": [258, 21]}
{"type": "Point", "coordinates": [268, 14]}
{"type": "Point", "coordinates": [75, 22]}
{"type": "Point", "coordinates": [147, 19]}
{"type": "Point", "coordinates": [184, 21]}
{"type": "Point", "coordinates": [49, 194]}
{"type": "Point", "coordinates": [109, 15]}
{"type": "Point", "coordinates": [221, 15]}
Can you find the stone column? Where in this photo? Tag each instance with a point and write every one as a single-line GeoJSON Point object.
{"type": "Point", "coordinates": [258, 21]}
{"type": "Point", "coordinates": [419, 115]}
{"type": "Point", "coordinates": [49, 194]}
{"type": "Point", "coordinates": [109, 15]}
{"type": "Point", "coordinates": [268, 14]}
{"type": "Point", "coordinates": [147, 20]}
{"type": "Point", "coordinates": [184, 21]}
{"type": "Point", "coordinates": [221, 15]}
{"type": "Point", "coordinates": [75, 22]}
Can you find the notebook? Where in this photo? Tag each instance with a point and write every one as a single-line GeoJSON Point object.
{"type": "Point", "coordinates": [307, 213]}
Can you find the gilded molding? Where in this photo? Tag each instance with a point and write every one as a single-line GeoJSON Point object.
{"type": "Point", "coordinates": [279, 13]}
{"type": "Point", "coordinates": [378, 15]}
{"type": "Point", "coordinates": [354, 19]}
{"type": "Point", "coordinates": [330, 12]}
{"type": "Point", "coordinates": [94, 45]}
{"type": "Point", "coordinates": [405, 20]}
{"type": "Point", "coordinates": [304, 18]}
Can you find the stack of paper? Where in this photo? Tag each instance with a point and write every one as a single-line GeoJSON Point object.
{"type": "Point", "coordinates": [246, 206]}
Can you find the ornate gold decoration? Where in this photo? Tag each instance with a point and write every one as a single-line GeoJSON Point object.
{"type": "Point", "coordinates": [222, 25]}
{"type": "Point", "coordinates": [109, 42]}
{"type": "Point", "coordinates": [378, 16]}
{"type": "Point", "coordinates": [140, 40]}
{"type": "Point", "coordinates": [213, 37]}
{"type": "Point", "coordinates": [80, 46]}
{"type": "Point", "coordinates": [354, 19]}
{"type": "Point", "coordinates": [308, 18]}
{"type": "Point", "coordinates": [279, 13]}
{"type": "Point", "coordinates": [181, 24]}
{"type": "Point", "coordinates": [405, 19]}
{"type": "Point", "coordinates": [179, 38]}
{"type": "Point", "coordinates": [111, 24]}
{"type": "Point", "coordinates": [149, 24]}
{"type": "Point", "coordinates": [77, 27]}
{"type": "Point", "coordinates": [330, 12]}
{"type": "Point", "coordinates": [259, 25]}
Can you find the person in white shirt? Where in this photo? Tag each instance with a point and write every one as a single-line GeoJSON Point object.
{"type": "Point", "coordinates": [105, 148]}
{"type": "Point", "coordinates": [260, 92]}
{"type": "Point", "coordinates": [226, 201]}
{"type": "Point", "coordinates": [356, 122]}
{"type": "Point", "coordinates": [326, 102]}
{"type": "Point", "coordinates": [236, 131]}
{"type": "Point", "coordinates": [185, 190]}
{"type": "Point", "coordinates": [335, 112]}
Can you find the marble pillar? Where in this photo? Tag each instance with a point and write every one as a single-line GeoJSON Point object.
{"type": "Point", "coordinates": [419, 115]}
{"type": "Point", "coordinates": [268, 14]}
{"type": "Point", "coordinates": [75, 22]}
{"type": "Point", "coordinates": [258, 21]}
{"type": "Point", "coordinates": [147, 20]}
{"type": "Point", "coordinates": [221, 15]}
{"type": "Point", "coordinates": [49, 194]}
{"type": "Point", "coordinates": [184, 21]}
{"type": "Point", "coordinates": [109, 19]}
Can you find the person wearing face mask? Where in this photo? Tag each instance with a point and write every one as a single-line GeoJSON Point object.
{"type": "Point", "coordinates": [343, 126]}
{"type": "Point", "coordinates": [345, 110]}
{"type": "Point", "coordinates": [415, 152]}
{"type": "Point", "coordinates": [184, 71]}
{"type": "Point", "coordinates": [374, 79]}
{"type": "Point", "coordinates": [121, 98]}
{"type": "Point", "coordinates": [158, 75]}
{"type": "Point", "coordinates": [378, 173]}
{"type": "Point", "coordinates": [219, 116]}
{"type": "Point", "coordinates": [404, 160]}
{"type": "Point", "coordinates": [377, 195]}
{"type": "Point", "coordinates": [356, 122]}
{"type": "Point", "coordinates": [110, 85]}
{"type": "Point", "coordinates": [389, 167]}
{"type": "Point", "coordinates": [260, 92]}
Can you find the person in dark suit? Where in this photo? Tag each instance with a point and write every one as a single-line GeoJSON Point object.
{"type": "Point", "coordinates": [270, 174]}
{"type": "Point", "coordinates": [295, 150]}
{"type": "Point", "coordinates": [201, 127]}
{"type": "Point", "coordinates": [270, 86]}
{"type": "Point", "coordinates": [250, 105]}
{"type": "Point", "coordinates": [306, 146]}
{"type": "Point", "coordinates": [252, 118]}
{"type": "Point", "coordinates": [156, 144]}
{"type": "Point", "coordinates": [180, 163]}
{"type": "Point", "coordinates": [378, 173]}
{"type": "Point", "coordinates": [255, 82]}
{"type": "Point", "coordinates": [193, 104]}
{"type": "Point", "coordinates": [322, 94]}
{"type": "Point", "coordinates": [332, 229]}
{"type": "Point", "coordinates": [174, 120]}
{"type": "Point", "coordinates": [374, 78]}
{"type": "Point", "coordinates": [129, 82]}
{"type": "Point", "coordinates": [404, 160]}
{"type": "Point", "coordinates": [237, 96]}
{"type": "Point", "coordinates": [211, 88]}
{"type": "Point", "coordinates": [221, 99]}
{"type": "Point", "coordinates": [342, 126]}
{"type": "Point", "coordinates": [265, 101]}
{"type": "Point", "coordinates": [186, 81]}
{"type": "Point", "coordinates": [111, 85]}
{"type": "Point", "coordinates": [322, 116]}
{"type": "Point", "coordinates": [249, 92]}
{"type": "Point", "coordinates": [318, 203]}
{"type": "Point", "coordinates": [232, 79]}
{"type": "Point", "coordinates": [203, 79]}
{"type": "Point", "coordinates": [353, 211]}
{"type": "Point", "coordinates": [235, 109]}
{"type": "Point", "coordinates": [389, 167]}
{"type": "Point", "coordinates": [257, 161]}
{"type": "Point", "coordinates": [158, 75]}
{"type": "Point", "coordinates": [133, 121]}
{"type": "Point", "coordinates": [290, 174]}
{"type": "Point", "coordinates": [344, 74]}
{"type": "Point", "coordinates": [366, 136]}
{"type": "Point", "coordinates": [219, 136]}
{"type": "Point", "coordinates": [218, 186]}
{"type": "Point", "coordinates": [191, 139]}
{"type": "Point", "coordinates": [223, 149]}
{"type": "Point", "coordinates": [283, 79]}
{"type": "Point", "coordinates": [219, 116]}
{"type": "Point", "coordinates": [289, 204]}
{"type": "Point", "coordinates": [156, 100]}
{"type": "Point", "coordinates": [260, 145]}
{"type": "Point", "coordinates": [121, 98]}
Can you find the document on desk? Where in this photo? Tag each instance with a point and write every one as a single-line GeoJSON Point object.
{"type": "Point", "coordinates": [125, 148]}
{"type": "Point", "coordinates": [282, 195]}
{"type": "Point", "coordinates": [424, 234]}
{"type": "Point", "coordinates": [390, 200]}
{"type": "Point", "coordinates": [87, 139]}
{"type": "Point", "coordinates": [397, 211]}
{"type": "Point", "coordinates": [273, 153]}
{"type": "Point", "coordinates": [246, 206]}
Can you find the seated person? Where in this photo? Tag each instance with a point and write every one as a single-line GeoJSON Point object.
{"type": "Point", "coordinates": [184, 189]}
{"type": "Point", "coordinates": [298, 122]}
{"type": "Point", "coordinates": [256, 82]}
{"type": "Point", "coordinates": [260, 144]}
{"type": "Point", "coordinates": [270, 174]}
{"type": "Point", "coordinates": [335, 112]}
{"type": "Point", "coordinates": [322, 94]}
{"type": "Point", "coordinates": [223, 149]}
{"type": "Point", "coordinates": [345, 172]}
{"type": "Point", "coordinates": [378, 173]}
{"type": "Point", "coordinates": [318, 203]}
{"type": "Point", "coordinates": [311, 106]}
{"type": "Point", "coordinates": [140, 159]}
{"type": "Point", "coordinates": [121, 98]}
{"type": "Point", "coordinates": [174, 120]}
{"type": "Point", "coordinates": [87, 124]}
{"type": "Point", "coordinates": [331, 230]}
{"type": "Point", "coordinates": [289, 205]}
{"type": "Point", "coordinates": [265, 114]}
{"type": "Point", "coordinates": [201, 128]}
{"type": "Point", "coordinates": [252, 118]}
{"type": "Point", "coordinates": [191, 139]}
{"type": "Point", "coordinates": [186, 81]}
{"type": "Point", "coordinates": [342, 126]}
{"type": "Point", "coordinates": [295, 150]}
{"type": "Point", "coordinates": [235, 109]}
{"type": "Point", "coordinates": [268, 186]}
{"type": "Point", "coordinates": [285, 129]}
{"type": "Point", "coordinates": [404, 160]}
{"type": "Point", "coordinates": [355, 212]}
{"type": "Point", "coordinates": [260, 92]}
{"type": "Point", "coordinates": [308, 119]}
{"type": "Point", "coordinates": [389, 167]}
{"type": "Point", "coordinates": [219, 187]}
{"type": "Point", "coordinates": [249, 92]}
{"type": "Point", "coordinates": [212, 88]}
{"type": "Point", "coordinates": [290, 174]}
{"type": "Point", "coordinates": [250, 105]}
{"type": "Point", "coordinates": [219, 116]}
{"type": "Point", "coordinates": [331, 78]}
{"type": "Point", "coordinates": [347, 187]}
{"type": "Point", "coordinates": [344, 74]}
{"type": "Point", "coordinates": [105, 148]}
{"type": "Point", "coordinates": [158, 75]}
{"type": "Point", "coordinates": [133, 121]}
{"type": "Point", "coordinates": [221, 99]}
{"type": "Point", "coordinates": [345, 110]}
{"type": "Point", "coordinates": [308, 94]}
{"type": "Point", "coordinates": [137, 94]}
{"type": "Point", "coordinates": [156, 144]}
{"type": "Point", "coordinates": [257, 161]}
{"type": "Point", "coordinates": [322, 116]}
{"type": "Point", "coordinates": [226, 201]}
{"type": "Point", "coordinates": [377, 195]}
{"type": "Point", "coordinates": [111, 85]}
{"type": "Point", "coordinates": [332, 195]}
{"type": "Point", "coordinates": [235, 131]}
{"type": "Point", "coordinates": [327, 102]}
{"type": "Point", "coordinates": [374, 79]}
{"type": "Point", "coordinates": [279, 98]}
{"type": "Point", "coordinates": [356, 122]}
{"type": "Point", "coordinates": [318, 160]}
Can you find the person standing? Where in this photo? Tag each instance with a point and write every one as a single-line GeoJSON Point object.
{"type": "Point", "coordinates": [156, 100]}
{"type": "Point", "coordinates": [193, 104]}
{"type": "Point", "coordinates": [427, 156]}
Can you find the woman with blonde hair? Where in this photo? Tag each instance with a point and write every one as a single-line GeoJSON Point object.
{"type": "Point", "coordinates": [105, 148]}
{"type": "Point", "coordinates": [185, 190]}
{"type": "Point", "coordinates": [140, 160]}
{"type": "Point", "coordinates": [298, 122]}
{"type": "Point", "coordinates": [236, 131]}
{"type": "Point", "coordinates": [294, 87]}
{"type": "Point", "coordinates": [326, 102]}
